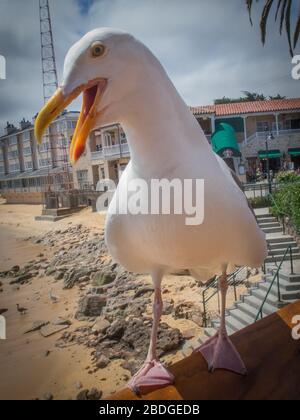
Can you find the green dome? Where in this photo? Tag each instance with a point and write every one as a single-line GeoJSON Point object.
{"type": "Point", "coordinates": [225, 139]}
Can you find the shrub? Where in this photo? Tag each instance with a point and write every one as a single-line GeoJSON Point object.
{"type": "Point", "coordinates": [286, 202]}
{"type": "Point", "coordinates": [259, 202]}
{"type": "Point", "coordinates": [287, 177]}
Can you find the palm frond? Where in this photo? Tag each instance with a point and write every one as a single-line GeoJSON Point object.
{"type": "Point", "coordinates": [282, 15]}
{"type": "Point", "coordinates": [277, 10]}
{"type": "Point", "coordinates": [297, 32]}
{"type": "Point", "coordinates": [249, 6]}
{"type": "Point", "coordinates": [264, 19]}
{"type": "Point", "coordinates": [288, 25]}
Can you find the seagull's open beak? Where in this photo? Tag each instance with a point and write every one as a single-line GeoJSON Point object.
{"type": "Point", "coordinates": [92, 93]}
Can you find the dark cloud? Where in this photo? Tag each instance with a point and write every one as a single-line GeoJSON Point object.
{"type": "Point", "coordinates": [208, 47]}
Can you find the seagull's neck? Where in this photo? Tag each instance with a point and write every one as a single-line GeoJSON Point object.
{"type": "Point", "coordinates": [159, 126]}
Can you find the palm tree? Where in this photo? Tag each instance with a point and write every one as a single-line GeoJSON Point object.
{"type": "Point", "coordinates": [284, 11]}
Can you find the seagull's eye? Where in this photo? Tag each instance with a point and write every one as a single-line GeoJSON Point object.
{"type": "Point", "coordinates": [98, 49]}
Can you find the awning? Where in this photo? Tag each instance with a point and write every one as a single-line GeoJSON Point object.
{"type": "Point", "coordinates": [263, 154]}
{"type": "Point", "coordinates": [224, 141]}
{"type": "Point", "coordinates": [295, 151]}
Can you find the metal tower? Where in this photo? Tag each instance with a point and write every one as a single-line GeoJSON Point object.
{"type": "Point", "coordinates": [50, 81]}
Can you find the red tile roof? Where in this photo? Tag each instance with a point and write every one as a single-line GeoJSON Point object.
{"type": "Point", "coordinates": [248, 107]}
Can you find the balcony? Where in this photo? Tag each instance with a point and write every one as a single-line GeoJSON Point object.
{"type": "Point", "coordinates": [261, 135]}
{"type": "Point", "coordinates": [111, 152]}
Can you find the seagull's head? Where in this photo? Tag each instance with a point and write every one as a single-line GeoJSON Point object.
{"type": "Point", "coordinates": [103, 66]}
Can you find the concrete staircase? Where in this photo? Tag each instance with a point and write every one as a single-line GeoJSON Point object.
{"type": "Point", "coordinates": [277, 241]}
{"type": "Point", "coordinates": [245, 311]}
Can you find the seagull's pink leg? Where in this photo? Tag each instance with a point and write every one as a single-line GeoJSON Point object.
{"type": "Point", "coordinates": [219, 351]}
{"type": "Point", "coordinates": [153, 374]}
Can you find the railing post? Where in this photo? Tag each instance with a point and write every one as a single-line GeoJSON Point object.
{"type": "Point", "coordinates": [204, 310]}
{"type": "Point", "coordinates": [278, 288]}
{"type": "Point", "coordinates": [291, 261]}
{"type": "Point", "coordinates": [234, 288]}
{"type": "Point", "coordinates": [283, 224]}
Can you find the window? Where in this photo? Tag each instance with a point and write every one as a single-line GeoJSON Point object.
{"type": "Point", "coordinates": [262, 126]}
{"type": "Point", "coordinates": [15, 167]}
{"type": "Point", "coordinates": [26, 136]}
{"type": "Point", "coordinates": [60, 126]}
{"type": "Point", "coordinates": [62, 142]}
{"type": "Point", "coordinates": [1, 156]}
{"type": "Point", "coordinates": [44, 163]}
{"type": "Point", "coordinates": [27, 151]}
{"type": "Point", "coordinates": [82, 176]}
{"type": "Point", "coordinates": [13, 154]}
{"type": "Point", "coordinates": [2, 169]}
{"type": "Point", "coordinates": [28, 166]}
{"type": "Point", "coordinates": [71, 125]}
{"type": "Point", "coordinates": [44, 147]}
{"type": "Point", "coordinates": [13, 141]}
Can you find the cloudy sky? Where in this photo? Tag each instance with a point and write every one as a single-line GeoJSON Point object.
{"type": "Point", "coordinates": [208, 47]}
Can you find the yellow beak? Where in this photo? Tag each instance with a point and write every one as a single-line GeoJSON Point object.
{"type": "Point", "coordinates": [58, 103]}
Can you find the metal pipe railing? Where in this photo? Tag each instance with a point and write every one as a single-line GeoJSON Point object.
{"type": "Point", "coordinates": [276, 278]}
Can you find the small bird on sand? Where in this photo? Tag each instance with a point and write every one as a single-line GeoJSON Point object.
{"type": "Point", "coordinates": [21, 310]}
{"type": "Point", "coordinates": [52, 297]}
{"type": "Point", "coordinates": [122, 82]}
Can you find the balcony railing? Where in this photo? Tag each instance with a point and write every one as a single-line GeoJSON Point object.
{"type": "Point", "coordinates": [259, 135]}
{"type": "Point", "coordinates": [109, 152]}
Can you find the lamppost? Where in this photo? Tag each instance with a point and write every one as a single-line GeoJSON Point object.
{"type": "Point", "coordinates": [268, 165]}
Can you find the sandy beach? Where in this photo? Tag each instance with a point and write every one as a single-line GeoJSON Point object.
{"type": "Point", "coordinates": [33, 366]}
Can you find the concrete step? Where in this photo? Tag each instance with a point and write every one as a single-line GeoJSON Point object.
{"type": "Point", "coordinates": [260, 293]}
{"type": "Point", "coordinates": [256, 303]}
{"type": "Point", "coordinates": [234, 324]}
{"type": "Point", "coordinates": [267, 219]}
{"type": "Point", "coordinates": [292, 278]}
{"type": "Point", "coordinates": [210, 332]}
{"type": "Point", "coordinates": [285, 285]}
{"type": "Point", "coordinates": [273, 229]}
{"type": "Point", "coordinates": [216, 324]}
{"type": "Point", "coordinates": [269, 259]}
{"type": "Point", "coordinates": [281, 251]}
{"type": "Point", "coordinates": [242, 316]}
{"type": "Point", "coordinates": [282, 245]}
{"type": "Point", "coordinates": [289, 295]}
{"type": "Point", "coordinates": [264, 216]}
{"type": "Point", "coordinates": [269, 225]}
{"type": "Point", "coordinates": [248, 310]}
{"type": "Point", "coordinates": [280, 239]}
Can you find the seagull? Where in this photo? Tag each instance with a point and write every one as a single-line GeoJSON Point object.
{"type": "Point", "coordinates": [21, 310]}
{"type": "Point", "coordinates": [122, 81]}
{"type": "Point", "coordinates": [52, 297]}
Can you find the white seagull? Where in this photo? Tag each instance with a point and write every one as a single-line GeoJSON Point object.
{"type": "Point", "coordinates": [123, 82]}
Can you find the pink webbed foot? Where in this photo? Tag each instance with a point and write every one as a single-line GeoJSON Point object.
{"type": "Point", "coordinates": [220, 353]}
{"type": "Point", "coordinates": [153, 375]}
